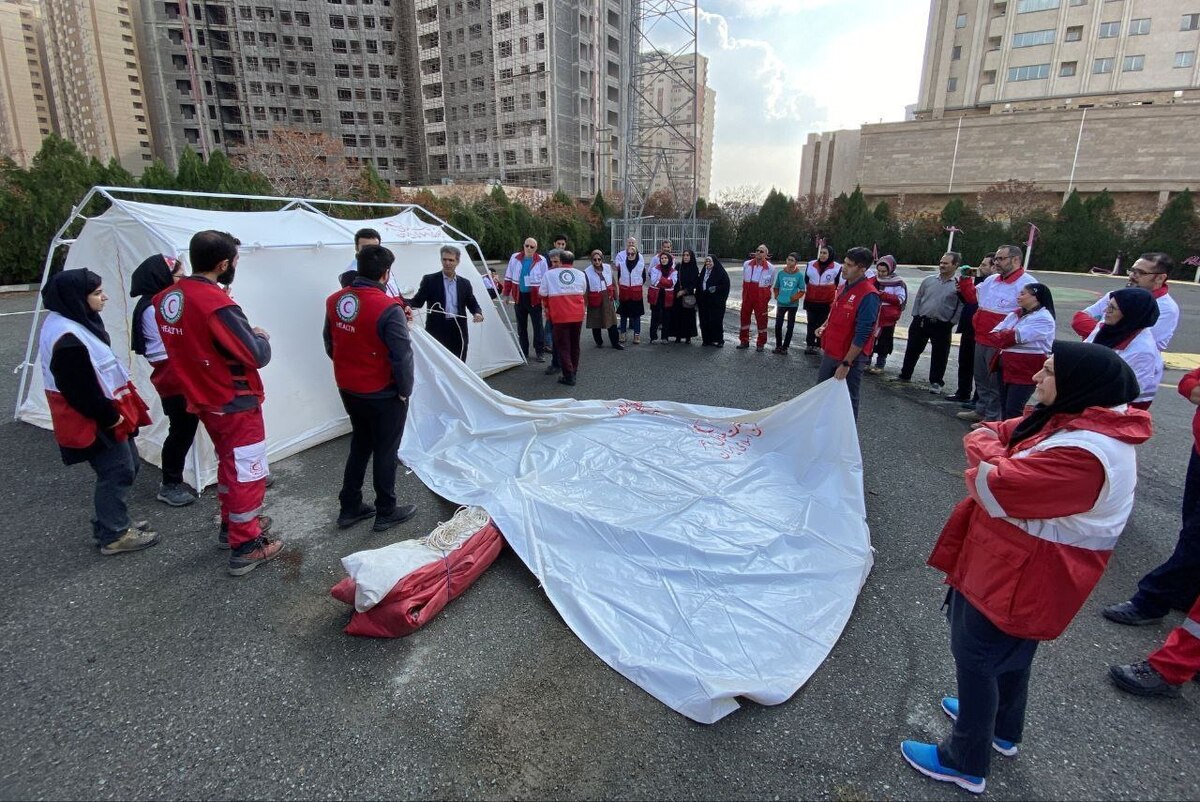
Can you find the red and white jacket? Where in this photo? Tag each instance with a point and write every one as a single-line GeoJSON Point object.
{"type": "Point", "coordinates": [564, 294]}
{"type": "Point", "coordinates": [893, 297]}
{"type": "Point", "coordinates": [661, 281]}
{"type": "Point", "coordinates": [1141, 353]}
{"type": "Point", "coordinates": [162, 372]}
{"type": "Point", "coordinates": [599, 285]}
{"type": "Point", "coordinates": [1041, 519]}
{"type": "Point", "coordinates": [1187, 386]}
{"type": "Point", "coordinates": [631, 281]}
{"type": "Point", "coordinates": [1168, 317]}
{"type": "Point", "coordinates": [996, 296]}
{"type": "Point", "coordinates": [1026, 340]}
{"type": "Point", "coordinates": [757, 280]}
{"type": "Point", "coordinates": [73, 429]}
{"type": "Point", "coordinates": [512, 276]}
{"type": "Point", "coordinates": [821, 285]}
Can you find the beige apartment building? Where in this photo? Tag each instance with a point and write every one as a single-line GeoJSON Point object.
{"type": "Point", "coordinates": [25, 112]}
{"type": "Point", "coordinates": [1068, 94]}
{"type": "Point", "coordinates": [96, 81]}
{"type": "Point", "coordinates": [678, 97]}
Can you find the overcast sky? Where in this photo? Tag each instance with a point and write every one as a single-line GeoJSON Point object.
{"type": "Point", "coordinates": [785, 68]}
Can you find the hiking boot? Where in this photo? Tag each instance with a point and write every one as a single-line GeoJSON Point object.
{"type": "Point", "coordinates": [1127, 613]}
{"type": "Point", "coordinates": [131, 540]}
{"type": "Point", "coordinates": [253, 554]}
{"type": "Point", "coordinates": [550, 369]}
{"type": "Point", "coordinates": [970, 416]}
{"type": "Point", "coordinates": [637, 339]}
{"type": "Point", "coordinates": [567, 379]}
{"type": "Point", "coordinates": [1006, 748]}
{"type": "Point", "coordinates": [622, 338]}
{"type": "Point", "coordinates": [760, 348]}
{"type": "Point", "coordinates": [924, 758]}
{"type": "Point", "coordinates": [264, 526]}
{"type": "Point", "coordinates": [399, 515]}
{"type": "Point", "coordinates": [1142, 679]}
{"type": "Point", "coordinates": [175, 495]}
{"type": "Point", "coordinates": [348, 518]}
{"type": "Point", "coordinates": [743, 346]}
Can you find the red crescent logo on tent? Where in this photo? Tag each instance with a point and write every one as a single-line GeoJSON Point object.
{"type": "Point", "coordinates": [171, 306]}
{"type": "Point", "coordinates": [347, 307]}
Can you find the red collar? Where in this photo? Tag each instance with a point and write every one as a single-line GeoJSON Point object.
{"type": "Point", "coordinates": [1011, 277]}
{"type": "Point", "coordinates": [1161, 291]}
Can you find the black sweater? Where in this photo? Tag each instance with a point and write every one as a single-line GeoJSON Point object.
{"type": "Point", "coordinates": [76, 379]}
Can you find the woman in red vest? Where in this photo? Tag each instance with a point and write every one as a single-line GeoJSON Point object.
{"type": "Point", "coordinates": [1048, 496]}
{"type": "Point", "coordinates": [94, 407]}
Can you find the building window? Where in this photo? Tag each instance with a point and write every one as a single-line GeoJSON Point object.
{"type": "Point", "coordinates": [956, 53]}
{"type": "Point", "coordinates": [952, 85]}
{"type": "Point", "coordinates": [1073, 33]}
{"type": "Point", "coordinates": [1031, 72]}
{"type": "Point", "coordinates": [1110, 30]}
{"type": "Point", "coordinates": [1079, 2]}
{"type": "Point", "coordinates": [504, 49]}
{"type": "Point", "coordinates": [1102, 66]}
{"type": "Point", "coordinates": [510, 157]}
{"type": "Point", "coordinates": [1139, 27]}
{"type": "Point", "coordinates": [508, 104]}
{"type": "Point", "coordinates": [960, 21]}
{"type": "Point", "coordinates": [1133, 64]}
{"type": "Point", "coordinates": [504, 21]}
{"type": "Point", "coordinates": [1067, 69]}
{"type": "Point", "coordinates": [1190, 22]}
{"type": "Point", "coordinates": [1185, 58]}
{"type": "Point", "coordinates": [1026, 6]}
{"type": "Point", "coordinates": [1033, 38]}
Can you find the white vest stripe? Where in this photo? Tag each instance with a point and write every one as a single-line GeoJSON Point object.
{"type": "Point", "coordinates": [110, 373]}
{"type": "Point", "coordinates": [1191, 627]}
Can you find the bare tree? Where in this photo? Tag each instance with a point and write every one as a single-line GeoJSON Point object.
{"type": "Point", "coordinates": [1006, 201]}
{"type": "Point", "coordinates": [303, 165]}
{"type": "Point", "coordinates": [741, 201]}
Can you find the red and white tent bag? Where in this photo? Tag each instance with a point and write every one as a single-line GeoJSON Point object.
{"type": "Point", "coordinates": [397, 589]}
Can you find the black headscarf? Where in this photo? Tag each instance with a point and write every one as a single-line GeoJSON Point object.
{"type": "Point", "coordinates": [1139, 310]}
{"type": "Point", "coordinates": [66, 293]}
{"type": "Point", "coordinates": [150, 278]}
{"type": "Point", "coordinates": [347, 278]}
{"type": "Point", "coordinates": [1085, 375]}
{"type": "Point", "coordinates": [832, 255]}
{"type": "Point", "coordinates": [1042, 293]}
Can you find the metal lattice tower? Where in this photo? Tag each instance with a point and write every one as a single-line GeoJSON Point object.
{"type": "Point", "coordinates": [662, 118]}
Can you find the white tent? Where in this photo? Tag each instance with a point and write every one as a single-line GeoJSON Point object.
{"type": "Point", "coordinates": [289, 263]}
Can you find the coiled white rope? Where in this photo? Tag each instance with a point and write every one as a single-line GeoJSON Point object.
{"type": "Point", "coordinates": [449, 535]}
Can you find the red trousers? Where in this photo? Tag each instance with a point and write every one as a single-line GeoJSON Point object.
{"type": "Point", "coordinates": [1179, 658]}
{"type": "Point", "coordinates": [754, 302]}
{"type": "Point", "coordinates": [566, 345]}
{"type": "Point", "coordinates": [240, 440]}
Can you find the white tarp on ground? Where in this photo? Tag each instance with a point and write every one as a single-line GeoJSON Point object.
{"type": "Point", "coordinates": [289, 264]}
{"type": "Point", "coordinates": [704, 553]}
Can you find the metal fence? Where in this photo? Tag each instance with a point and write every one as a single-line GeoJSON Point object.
{"type": "Point", "coordinates": [684, 234]}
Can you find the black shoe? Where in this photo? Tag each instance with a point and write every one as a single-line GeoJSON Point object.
{"type": "Point", "coordinates": [618, 347]}
{"type": "Point", "coordinates": [551, 369]}
{"type": "Point", "coordinates": [743, 346]}
{"type": "Point", "coordinates": [719, 345]}
{"type": "Point", "coordinates": [539, 358]}
{"type": "Point", "coordinates": [962, 399]}
{"type": "Point", "coordinates": [348, 518]}
{"type": "Point", "coordinates": [599, 345]}
{"type": "Point", "coordinates": [1128, 614]}
{"type": "Point", "coordinates": [396, 516]}
{"type": "Point", "coordinates": [568, 379]}
{"type": "Point", "coordinates": [1142, 679]}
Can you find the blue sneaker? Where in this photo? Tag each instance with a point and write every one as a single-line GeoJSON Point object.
{"type": "Point", "coordinates": [950, 708]}
{"type": "Point", "coordinates": [924, 758]}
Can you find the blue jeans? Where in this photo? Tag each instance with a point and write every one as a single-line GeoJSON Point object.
{"type": "Point", "coordinates": [630, 322]}
{"type": "Point", "coordinates": [116, 468]}
{"type": "Point", "coordinates": [829, 366]}
{"type": "Point", "coordinates": [1175, 583]}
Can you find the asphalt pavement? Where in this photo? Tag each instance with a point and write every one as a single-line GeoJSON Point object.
{"type": "Point", "coordinates": [155, 675]}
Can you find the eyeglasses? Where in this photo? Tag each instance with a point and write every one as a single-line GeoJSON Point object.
{"type": "Point", "coordinates": [1137, 271]}
{"type": "Point", "coordinates": [530, 247]}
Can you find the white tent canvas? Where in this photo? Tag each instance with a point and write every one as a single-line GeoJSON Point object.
{"type": "Point", "coordinates": [289, 264]}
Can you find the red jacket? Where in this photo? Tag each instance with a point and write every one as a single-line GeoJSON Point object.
{"type": "Point", "coordinates": [1031, 540]}
{"type": "Point", "coordinates": [361, 362]}
{"type": "Point", "coordinates": [1187, 385]}
{"type": "Point", "coordinates": [843, 316]}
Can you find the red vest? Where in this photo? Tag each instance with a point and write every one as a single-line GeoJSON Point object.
{"type": "Point", "coordinates": [839, 331]}
{"type": "Point", "coordinates": [184, 312]}
{"type": "Point", "coordinates": [360, 357]}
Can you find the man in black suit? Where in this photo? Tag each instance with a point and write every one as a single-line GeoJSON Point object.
{"type": "Point", "coordinates": [447, 294]}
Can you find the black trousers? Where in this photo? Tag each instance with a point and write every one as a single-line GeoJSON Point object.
{"type": "Point", "coordinates": [614, 336]}
{"type": "Point", "coordinates": [993, 687]}
{"type": "Point", "coordinates": [377, 424]}
{"type": "Point", "coordinates": [885, 343]}
{"type": "Point", "coordinates": [1176, 583]}
{"type": "Point", "coordinates": [817, 315]}
{"type": "Point", "coordinates": [528, 313]}
{"type": "Point", "coordinates": [922, 332]}
{"type": "Point", "coordinates": [454, 338]}
{"type": "Point", "coordinates": [966, 363]}
{"type": "Point", "coordinates": [660, 319]}
{"type": "Point", "coordinates": [181, 432]}
{"type": "Point", "coordinates": [781, 313]}
{"type": "Point", "coordinates": [712, 318]}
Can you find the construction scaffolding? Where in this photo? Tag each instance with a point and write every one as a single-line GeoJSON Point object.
{"type": "Point", "coordinates": [663, 119]}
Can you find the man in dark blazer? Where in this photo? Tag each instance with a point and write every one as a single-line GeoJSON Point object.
{"type": "Point", "coordinates": [447, 294]}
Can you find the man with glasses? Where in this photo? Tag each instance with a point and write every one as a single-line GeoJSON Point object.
{"type": "Point", "coordinates": [997, 297]}
{"type": "Point", "coordinates": [758, 276]}
{"type": "Point", "coordinates": [522, 283]}
{"type": "Point", "coordinates": [1150, 272]}
{"type": "Point", "coordinates": [935, 312]}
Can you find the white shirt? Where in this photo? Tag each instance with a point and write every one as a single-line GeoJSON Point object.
{"type": "Point", "coordinates": [1164, 329]}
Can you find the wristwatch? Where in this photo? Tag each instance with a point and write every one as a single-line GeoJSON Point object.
{"type": "Point", "coordinates": [846, 364]}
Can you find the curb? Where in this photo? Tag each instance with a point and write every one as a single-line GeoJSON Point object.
{"type": "Point", "coordinates": [18, 287]}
